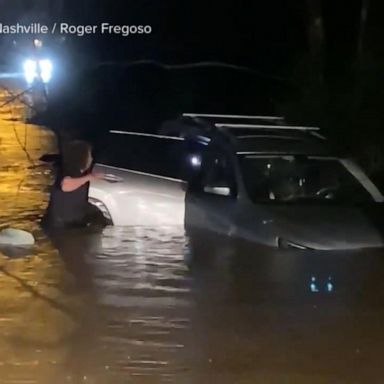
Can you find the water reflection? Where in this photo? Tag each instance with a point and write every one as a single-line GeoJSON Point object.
{"type": "Point", "coordinates": [264, 274]}
{"type": "Point", "coordinates": [315, 285]}
{"type": "Point", "coordinates": [75, 247]}
{"type": "Point", "coordinates": [143, 298]}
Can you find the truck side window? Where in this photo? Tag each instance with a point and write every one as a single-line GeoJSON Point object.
{"type": "Point", "coordinates": [218, 172]}
{"type": "Point", "coordinates": [152, 155]}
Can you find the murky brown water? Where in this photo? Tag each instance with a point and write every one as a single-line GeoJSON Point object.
{"type": "Point", "coordinates": [130, 305]}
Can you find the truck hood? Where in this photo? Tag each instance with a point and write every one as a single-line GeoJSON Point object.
{"type": "Point", "coordinates": [323, 227]}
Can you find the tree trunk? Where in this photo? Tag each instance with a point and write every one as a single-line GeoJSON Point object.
{"type": "Point", "coordinates": [363, 23]}
{"type": "Point", "coordinates": [316, 35]}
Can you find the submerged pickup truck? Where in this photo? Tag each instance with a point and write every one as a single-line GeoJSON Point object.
{"type": "Point", "coordinates": [248, 177]}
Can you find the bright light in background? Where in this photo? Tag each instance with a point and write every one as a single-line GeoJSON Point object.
{"type": "Point", "coordinates": [195, 161]}
{"type": "Point", "coordinates": [46, 70]}
{"type": "Point", "coordinates": [31, 70]}
{"type": "Point", "coordinates": [37, 43]}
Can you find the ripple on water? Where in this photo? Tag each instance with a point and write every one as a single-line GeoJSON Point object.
{"type": "Point", "coordinates": [143, 291]}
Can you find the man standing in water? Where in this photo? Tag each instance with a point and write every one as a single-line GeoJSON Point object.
{"type": "Point", "coordinates": [70, 219]}
{"type": "Point", "coordinates": [68, 204]}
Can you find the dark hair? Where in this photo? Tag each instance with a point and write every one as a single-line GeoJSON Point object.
{"type": "Point", "coordinates": [75, 156]}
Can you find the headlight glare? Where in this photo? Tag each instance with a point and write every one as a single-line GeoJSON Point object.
{"type": "Point", "coordinates": [32, 68]}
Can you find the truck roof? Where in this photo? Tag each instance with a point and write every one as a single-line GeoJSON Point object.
{"type": "Point", "coordinates": [256, 134]}
{"type": "Point", "coordinates": [245, 134]}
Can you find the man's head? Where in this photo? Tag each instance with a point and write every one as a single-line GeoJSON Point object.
{"type": "Point", "coordinates": [77, 158]}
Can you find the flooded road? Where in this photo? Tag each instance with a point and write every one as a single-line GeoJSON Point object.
{"type": "Point", "coordinates": [133, 305]}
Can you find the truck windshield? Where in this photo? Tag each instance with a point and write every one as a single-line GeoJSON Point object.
{"type": "Point", "coordinates": [298, 178]}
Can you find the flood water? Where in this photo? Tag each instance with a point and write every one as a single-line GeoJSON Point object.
{"type": "Point", "coordinates": [132, 305]}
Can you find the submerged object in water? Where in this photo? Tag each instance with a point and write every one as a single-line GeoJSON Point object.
{"type": "Point", "coordinates": [16, 237]}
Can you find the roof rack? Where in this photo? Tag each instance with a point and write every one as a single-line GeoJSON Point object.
{"type": "Point", "coordinates": [246, 117]}
{"type": "Point", "coordinates": [262, 126]}
{"type": "Point", "coordinates": [143, 134]}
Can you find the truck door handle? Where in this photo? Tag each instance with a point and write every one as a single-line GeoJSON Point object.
{"type": "Point", "coordinates": [112, 178]}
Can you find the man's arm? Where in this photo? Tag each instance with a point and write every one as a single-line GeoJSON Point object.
{"type": "Point", "coordinates": [70, 184]}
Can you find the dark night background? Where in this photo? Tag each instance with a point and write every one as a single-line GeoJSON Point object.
{"type": "Point", "coordinates": [315, 61]}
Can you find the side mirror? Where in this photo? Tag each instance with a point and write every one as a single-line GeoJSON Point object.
{"type": "Point", "coordinates": [219, 191]}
